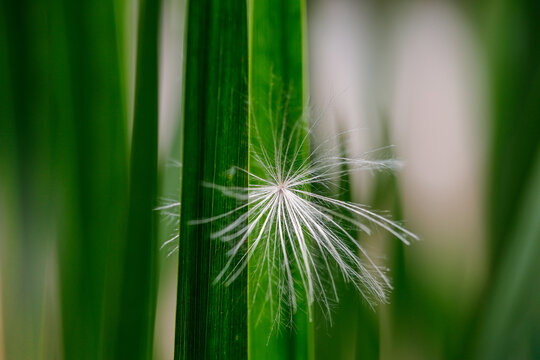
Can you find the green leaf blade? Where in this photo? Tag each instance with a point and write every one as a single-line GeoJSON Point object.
{"type": "Point", "coordinates": [135, 328]}
{"type": "Point", "coordinates": [211, 320]}
{"type": "Point", "coordinates": [277, 102]}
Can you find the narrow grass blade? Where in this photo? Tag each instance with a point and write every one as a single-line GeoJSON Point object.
{"type": "Point", "coordinates": [211, 319]}
{"type": "Point", "coordinates": [277, 102]}
{"type": "Point", "coordinates": [513, 302]}
{"type": "Point", "coordinates": [512, 294]}
{"type": "Point", "coordinates": [516, 135]}
{"type": "Point", "coordinates": [139, 279]}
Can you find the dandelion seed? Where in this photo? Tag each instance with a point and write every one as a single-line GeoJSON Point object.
{"type": "Point", "coordinates": [299, 236]}
{"type": "Point", "coordinates": [169, 210]}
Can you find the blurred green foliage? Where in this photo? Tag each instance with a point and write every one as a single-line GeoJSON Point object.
{"type": "Point", "coordinates": [507, 321]}
{"type": "Point", "coordinates": [66, 166]}
{"type": "Point", "coordinates": [78, 181]}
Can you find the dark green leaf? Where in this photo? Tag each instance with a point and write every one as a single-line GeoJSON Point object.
{"type": "Point", "coordinates": [138, 288]}
{"type": "Point", "coordinates": [211, 320]}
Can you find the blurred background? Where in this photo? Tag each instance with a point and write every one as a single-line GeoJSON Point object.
{"type": "Point", "coordinates": [453, 85]}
